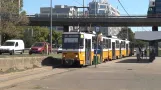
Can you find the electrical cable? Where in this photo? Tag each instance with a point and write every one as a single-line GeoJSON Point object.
{"type": "Point", "coordinates": [126, 11]}
{"type": "Point", "coordinates": [78, 2]}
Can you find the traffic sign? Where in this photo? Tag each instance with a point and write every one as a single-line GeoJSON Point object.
{"type": "Point", "coordinates": [98, 51]}
{"type": "Point", "coordinates": [97, 29]}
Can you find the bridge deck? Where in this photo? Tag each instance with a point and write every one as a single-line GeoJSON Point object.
{"type": "Point", "coordinates": [95, 21]}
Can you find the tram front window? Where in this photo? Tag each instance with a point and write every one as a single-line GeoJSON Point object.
{"type": "Point", "coordinates": [70, 43]}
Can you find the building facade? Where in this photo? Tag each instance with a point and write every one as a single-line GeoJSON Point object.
{"type": "Point", "coordinates": [154, 7]}
{"type": "Point", "coordinates": [61, 11]}
{"type": "Point", "coordinates": [104, 8]}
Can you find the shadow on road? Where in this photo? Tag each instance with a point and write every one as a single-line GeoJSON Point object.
{"type": "Point", "coordinates": [50, 61]}
{"type": "Point", "coordinates": [135, 61]}
{"type": "Point", "coordinates": [55, 63]}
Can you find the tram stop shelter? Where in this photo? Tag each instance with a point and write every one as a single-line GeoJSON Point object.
{"type": "Point", "coordinates": [153, 37]}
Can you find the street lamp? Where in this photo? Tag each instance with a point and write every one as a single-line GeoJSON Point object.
{"type": "Point", "coordinates": [51, 13]}
{"type": "Point", "coordinates": [0, 22]}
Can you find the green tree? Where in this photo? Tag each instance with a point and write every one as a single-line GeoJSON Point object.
{"type": "Point", "coordinates": [12, 17]}
{"type": "Point", "coordinates": [140, 43]}
{"type": "Point", "coordinates": [57, 37]}
{"type": "Point", "coordinates": [131, 36]}
{"type": "Point", "coordinates": [123, 34]}
{"type": "Point", "coordinates": [40, 34]}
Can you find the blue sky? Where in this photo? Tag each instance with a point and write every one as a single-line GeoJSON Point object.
{"type": "Point", "coordinates": [133, 7]}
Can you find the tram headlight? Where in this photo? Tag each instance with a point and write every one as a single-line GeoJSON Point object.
{"type": "Point", "coordinates": [76, 56]}
{"type": "Point", "coordinates": [63, 56]}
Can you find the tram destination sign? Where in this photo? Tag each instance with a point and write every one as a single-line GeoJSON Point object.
{"type": "Point", "coordinates": [71, 36]}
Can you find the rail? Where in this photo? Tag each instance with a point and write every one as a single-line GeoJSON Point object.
{"type": "Point", "coordinates": [85, 16]}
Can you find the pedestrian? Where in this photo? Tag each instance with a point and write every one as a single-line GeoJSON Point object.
{"type": "Point", "coordinates": [145, 53]}
{"type": "Point", "coordinates": [138, 53]}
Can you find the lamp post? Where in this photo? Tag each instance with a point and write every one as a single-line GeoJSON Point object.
{"type": "Point", "coordinates": [51, 13]}
{"type": "Point", "coordinates": [83, 8]}
{"type": "Point", "coordinates": [0, 22]}
{"type": "Point", "coordinates": [127, 33]}
{"type": "Point", "coordinates": [95, 8]}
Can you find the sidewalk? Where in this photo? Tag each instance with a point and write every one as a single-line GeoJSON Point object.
{"type": "Point", "coordinates": [11, 79]}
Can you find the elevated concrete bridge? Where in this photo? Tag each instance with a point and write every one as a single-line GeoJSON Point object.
{"type": "Point", "coordinates": [112, 21]}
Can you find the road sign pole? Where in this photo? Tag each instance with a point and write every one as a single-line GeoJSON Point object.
{"type": "Point", "coordinates": [97, 31]}
{"type": "Point", "coordinates": [96, 51]}
{"type": "Point", "coordinates": [51, 26]}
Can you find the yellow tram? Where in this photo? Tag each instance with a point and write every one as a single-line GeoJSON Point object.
{"type": "Point", "coordinates": [78, 48]}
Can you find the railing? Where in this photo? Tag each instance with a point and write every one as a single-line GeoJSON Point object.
{"type": "Point", "coordinates": [84, 16]}
{"type": "Point", "coordinates": [92, 16]}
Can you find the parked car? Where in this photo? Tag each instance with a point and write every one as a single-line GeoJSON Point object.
{"type": "Point", "coordinates": [59, 50]}
{"type": "Point", "coordinates": [40, 47]}
{"type": "Point", "coordinates": [12, 47]}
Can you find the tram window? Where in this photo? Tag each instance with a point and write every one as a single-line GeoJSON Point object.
{"type": "Point", "coordinates": [117, 44]}
{"type": "Point", "coordinates": [81, 45]}
{"type": "Point", "coordinates": [109, 43]}
{"type": "Point", "coordinates": [104, 43]}
{"type": "Point", "coordinates": [93, 41]}
{"type": "Point", "coordinates": [123, 44]}
{"type": "Point", "coordinates": [70, 42]}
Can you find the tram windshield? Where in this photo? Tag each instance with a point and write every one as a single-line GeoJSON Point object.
{"type": "Point", "coordinates": [72, 42]}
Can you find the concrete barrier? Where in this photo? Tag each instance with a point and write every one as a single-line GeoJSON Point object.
{"type": "Point", "coordinates": [20, 63]}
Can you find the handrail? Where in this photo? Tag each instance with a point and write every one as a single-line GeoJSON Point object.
{"type": "Point", "coordinates": [91, 16]}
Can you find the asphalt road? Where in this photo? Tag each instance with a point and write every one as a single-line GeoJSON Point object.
{"type": "Point", "coordinates": [125, 74]}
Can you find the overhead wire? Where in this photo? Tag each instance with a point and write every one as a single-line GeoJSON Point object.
{"type": "Point", "coordinates": [123, 7]}
{"type": "Point", "coordinates": [126, 11]}
{"type": "Point", "coordinates": [78, 2]}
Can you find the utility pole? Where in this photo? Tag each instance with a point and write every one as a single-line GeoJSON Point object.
{"type": "Point", "coordinates": [51, 19]}
{"type": "Point", "coordinates": [0, 22]}
{"type": "Point", "coordinates": [127, 34]}
{"type": "Point", "coordinates": [95, 8]}
{"type": "Point", "coordinates": [83, 7]}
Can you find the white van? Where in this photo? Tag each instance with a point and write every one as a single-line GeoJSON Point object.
{"type": "Point", "coordinates": [12, 46]}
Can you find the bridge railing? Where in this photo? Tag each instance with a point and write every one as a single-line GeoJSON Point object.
{"type": "Point", "coordinates": [85, 16]}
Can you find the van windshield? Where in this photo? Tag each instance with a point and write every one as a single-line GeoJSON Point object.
{"type": "Point", "coordinates": [38, 45]}
{"type": "Point", "coordinates": [8, 44]}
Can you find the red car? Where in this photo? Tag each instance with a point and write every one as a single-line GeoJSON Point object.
{"type": "Point", "coordinates": [40, 47]}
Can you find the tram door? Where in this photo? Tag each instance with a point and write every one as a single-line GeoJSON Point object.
{"type": "Point", "coordinates": [113, 51]}
{"type": "Point", "coordinates": [120, 51]}
{"type": "Point", "coordinates": [127, 50]}
{"type": "Point", "coordinates": [88, 51]}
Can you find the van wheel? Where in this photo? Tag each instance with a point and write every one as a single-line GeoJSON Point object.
{"type": "Point", "coordinates": [0, 53]}
{"type": "Point", "coordinates": [11, 52]}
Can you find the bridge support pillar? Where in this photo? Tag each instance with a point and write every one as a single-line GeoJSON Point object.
{"type": "Point", "coordinates": [155, 43]}
{"type": "Point", "coordinates": [66, 29]}
{"type": "Point", "coordinates": [155, 28]}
